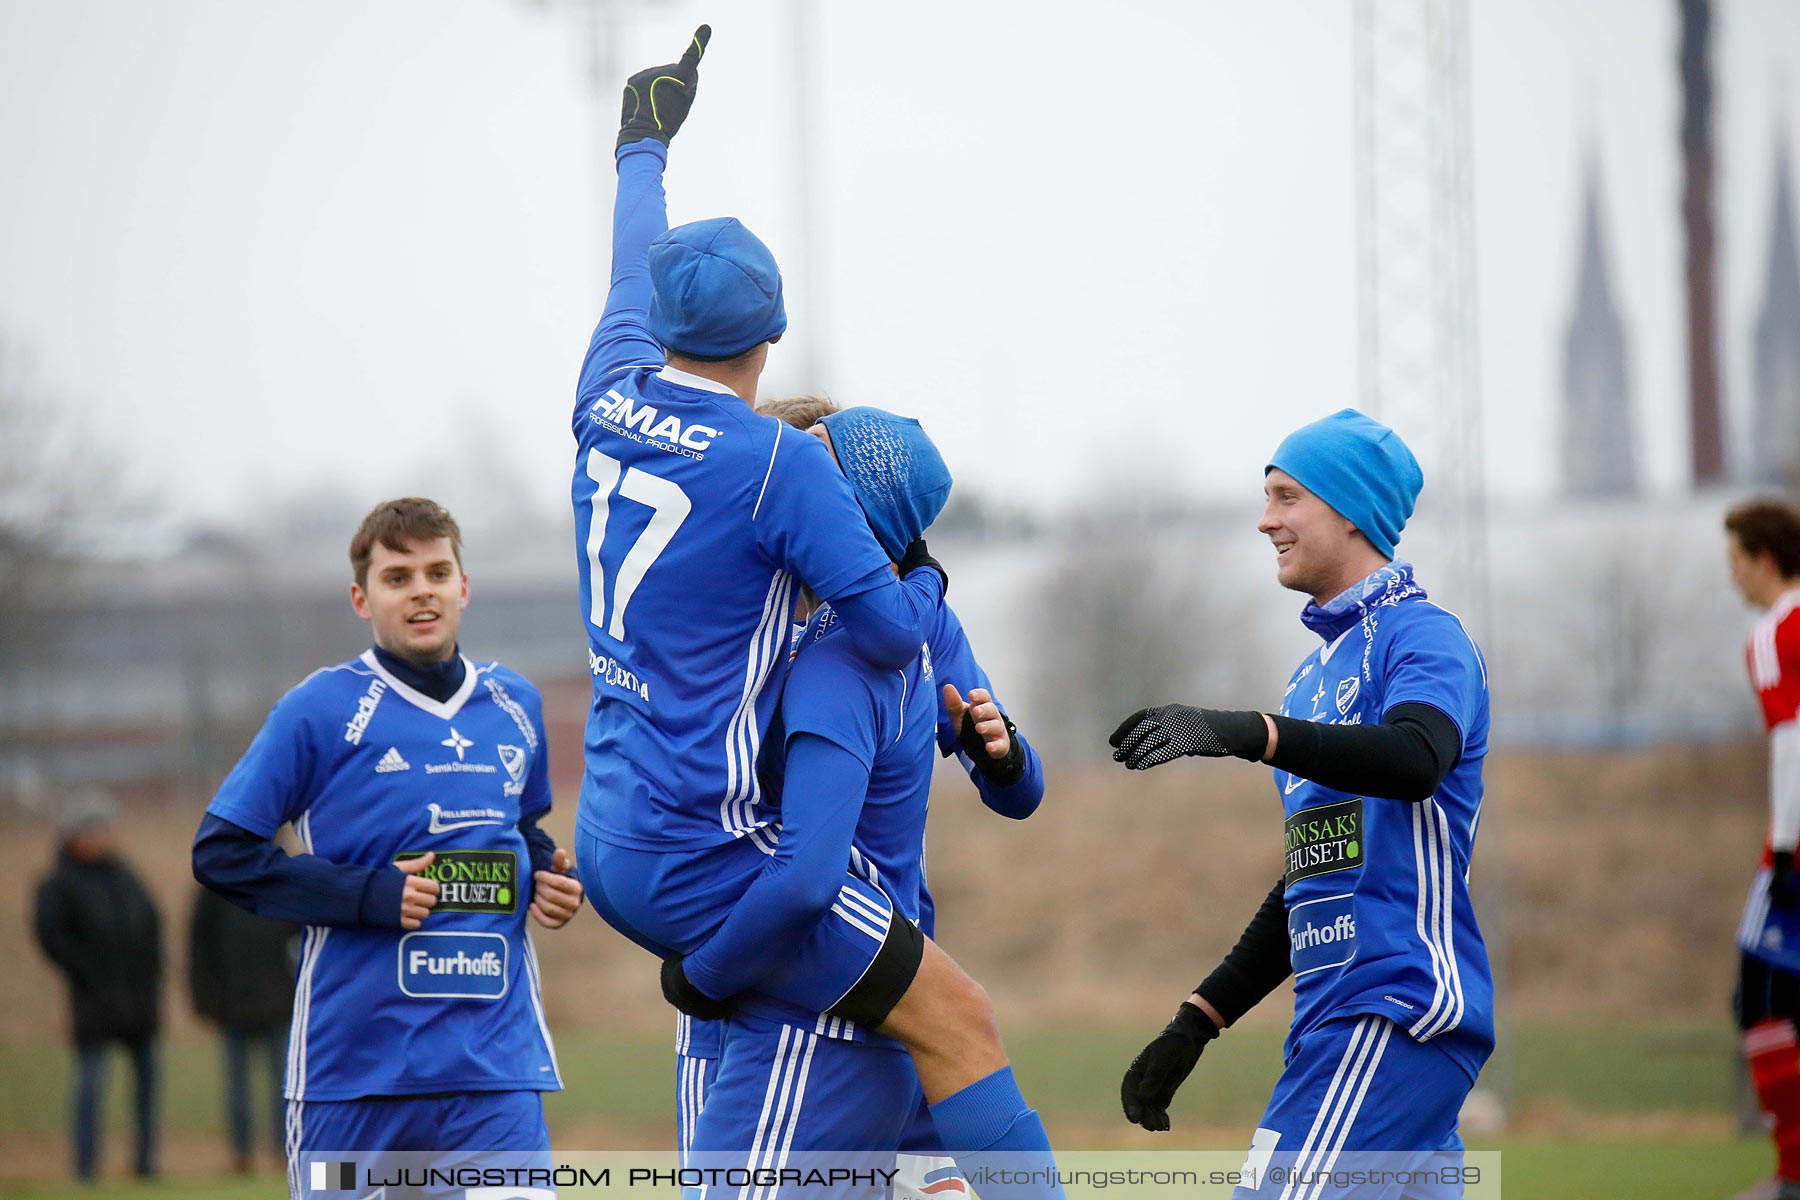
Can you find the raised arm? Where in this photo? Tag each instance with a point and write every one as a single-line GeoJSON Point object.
{"type": "Point", "coordinates": [656, 102]}
{"type": "Point", "coordinates": [1436, 687]}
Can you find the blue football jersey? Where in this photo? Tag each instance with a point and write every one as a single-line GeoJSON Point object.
{"type": "Point", "coordinates": [888, 720]}
{"type": "Point", "coordinates": [947, 658]}
{"type": "Point", "coordinates": [1379, 915]}
{"type": "Point", "coordinates": [698, 520]}
{"type": "Point", "coordinates": [695, 522]}
{"type": "Point", "coordinates": [370, 772]}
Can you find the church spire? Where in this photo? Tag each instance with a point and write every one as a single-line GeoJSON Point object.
{"type": "Point", "coordinates": [1599, 454]}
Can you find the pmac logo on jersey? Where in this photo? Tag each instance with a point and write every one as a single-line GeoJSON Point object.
{"type": "Point", "coordinates": [472, 881]}
{"type": "Point", "coordinates": [1322, 933]}
{"type": "Point", "coordinates": [625, 415]}
{"type": "Point", "coordinates": [454, 966]}
{"type": "Point", "coordinates": [1324, 839]}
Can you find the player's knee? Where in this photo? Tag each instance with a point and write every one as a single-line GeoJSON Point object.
{"type": "Point", "coordinates": [957, 1009]}
{"type": "Point", "coordinates": [974, 1012]}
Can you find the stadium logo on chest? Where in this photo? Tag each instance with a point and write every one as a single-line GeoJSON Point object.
{"type": "Point", "coordinates": [365, 712]}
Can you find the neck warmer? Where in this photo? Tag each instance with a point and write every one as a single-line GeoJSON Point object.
{"type": "Point", "coordinates": [439, 680]}
{"type": "Point", "coordinates": [1389, 585]}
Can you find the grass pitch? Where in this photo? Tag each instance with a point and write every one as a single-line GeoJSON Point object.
{"type": "Point", "coordinates": [1641, 1111]}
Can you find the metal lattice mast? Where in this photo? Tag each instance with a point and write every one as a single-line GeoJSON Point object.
{"type": "Point", "coordinates": [1416, 269]}
{"type": "Point", "coordinates": [1419, 364]}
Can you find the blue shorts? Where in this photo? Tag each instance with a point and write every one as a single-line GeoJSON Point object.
{"type": "Point", "coordinates": [670, 903]}
{"type": "Point", "coordinates": [696, 1066]}
{"type": "Point", "coordinates": [444, 1130]}
{"type": "Point", "coordinates": [785, 1089]}
{"type": "Point", "coordinates": [1358, 1094]}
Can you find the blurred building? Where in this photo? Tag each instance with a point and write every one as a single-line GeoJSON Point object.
{"type": "Point", "coordinates": [1599, 444]}
{"type": "Point", "coordinates": [1775, 421]}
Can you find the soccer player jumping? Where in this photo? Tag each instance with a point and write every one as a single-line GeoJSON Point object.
{"type": "Point", "coordinates": [1377, 751]}
{"type": "Point", "coordinates": [1763, 540]}
{"type": "Point", "coordinates": [696, 521]}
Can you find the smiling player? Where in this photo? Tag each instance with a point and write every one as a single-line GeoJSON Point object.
{"type": "Point", "coordinates": [1377, 751]}
{"type": "Point", "coordinates": [415, 779]}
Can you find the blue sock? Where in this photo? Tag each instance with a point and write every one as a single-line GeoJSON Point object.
{"type": "Point", "coordinates": [989, 1127]}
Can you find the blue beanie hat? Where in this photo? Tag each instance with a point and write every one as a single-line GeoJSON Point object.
{"type": "Point", "coordinates": [897, 474]}
{"type": "Point", "coordinates": [715, 290]}
{"type": "Point", "coordinates": [1358, 466]}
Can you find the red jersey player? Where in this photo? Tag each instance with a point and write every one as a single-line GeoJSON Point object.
{"type": "Point", "coordinates": [1764, 546]}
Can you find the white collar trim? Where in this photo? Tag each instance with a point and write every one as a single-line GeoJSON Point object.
{"type": "Point", "coordinates": [437, 708]}
{"type": "Point", "coordinates": [697, 382]}
{"type": "Point", "coordinates": [1327, 652]}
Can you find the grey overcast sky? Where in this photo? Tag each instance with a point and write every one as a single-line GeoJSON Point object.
{"type": "Point", "coordinates": [268, 250]}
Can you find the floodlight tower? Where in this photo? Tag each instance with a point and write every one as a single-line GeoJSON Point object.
{"type": "Point", "coordinates": [1418, 361]}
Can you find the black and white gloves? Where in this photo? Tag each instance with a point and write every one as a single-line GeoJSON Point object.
{"type": "Point", "coordinates": [1151, 737]}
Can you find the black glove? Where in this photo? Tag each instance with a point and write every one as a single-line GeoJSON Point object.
{"type": "Point", "coordinates": [918, 556]}
{"type": "Point", "coordinates": [1002, 771]}
{"type": "Point", "coordinates": [1163, 1065]}
{"type": "Point", "coordinates": [1782, 892]}
{"type": "Point", "coordinates": [657, 99]}
{"type": "Point", "coordinates": [680, 991]}
{"type": "Point", "coordinates": [1151, 737]}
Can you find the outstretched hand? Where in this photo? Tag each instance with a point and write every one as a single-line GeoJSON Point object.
{"type": "Point", "coordinates": [657, 99]}
{"type": "Point", "coordinates": [1151, 737]}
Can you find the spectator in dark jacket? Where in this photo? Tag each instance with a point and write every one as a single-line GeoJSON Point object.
{"type": "Point", "coordinates": [241, 972]}
{"type": "Point", "coordinates": [99, 926]}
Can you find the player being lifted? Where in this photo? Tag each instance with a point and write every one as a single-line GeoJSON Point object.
{"type": "Point", "coordinates": [1006, 771]}
{"type": "Point", "coordinates": [850, 760]}
{"type": "Point", "coordinates": [1377, 751]}
{"type": "Point", "coordinates": [415, 780]}
{"type": "Point", "coordinates": [696, 520]}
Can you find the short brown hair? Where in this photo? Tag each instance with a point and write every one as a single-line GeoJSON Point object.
{"type": "Point", "coordinates": [1768, 527]}
{"type": "Point", "coordinates": [802, 412]}
{"type": "Point", "coordinates": [396, 524]}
